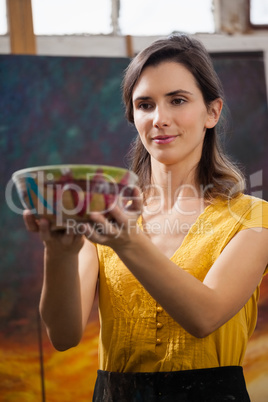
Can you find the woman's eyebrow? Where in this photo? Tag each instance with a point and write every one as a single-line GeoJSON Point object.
{"type": "Point", "coordinates": [172, 93]}
{"type": "Point", "coordinates": [144, 98]}
{"type": "Point", "coordinates": [179, 92]}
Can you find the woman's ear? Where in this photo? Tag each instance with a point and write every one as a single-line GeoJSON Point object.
{"type": "Point", "coordinates": [214, 113]}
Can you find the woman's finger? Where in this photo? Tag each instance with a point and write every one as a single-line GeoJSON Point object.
{"type": "Point", "coordinates": [44, 230]}
{"type": "Point", "coordinates": [100, 227]}
{"type": "Point", "coordinates": [30, 221]}
{"type": "Point", "coordinates": [136, 201]}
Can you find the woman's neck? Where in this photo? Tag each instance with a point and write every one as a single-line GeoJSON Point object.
{"type": "Point", "coordinates": [172, 183]}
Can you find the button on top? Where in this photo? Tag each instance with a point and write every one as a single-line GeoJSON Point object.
{"type": "Point", "coordinates": [159, 309]}
{"type": "Point", "coordinates": [159, 325]}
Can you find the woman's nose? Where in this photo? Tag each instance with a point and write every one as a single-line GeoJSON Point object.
{"type": "Point", "coordinates": [161, 118]}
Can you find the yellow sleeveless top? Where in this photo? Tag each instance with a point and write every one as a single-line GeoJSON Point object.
{"type": "Point", "coordinates": [137, 335]}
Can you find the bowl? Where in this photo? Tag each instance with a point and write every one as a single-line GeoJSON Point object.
{"type": "Point", "coordinates": [67, 194]}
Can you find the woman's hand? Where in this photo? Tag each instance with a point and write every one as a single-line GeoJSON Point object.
{"type": "Point", "coordinates": [57, 240]}
{"type": "Point", "coordinates": [117, 228]}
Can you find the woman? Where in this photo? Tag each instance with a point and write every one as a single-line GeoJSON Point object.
{"type": "Point", "coordinates": [179, 269]}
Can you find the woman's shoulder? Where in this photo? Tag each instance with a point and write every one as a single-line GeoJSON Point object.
{"type": "Point", "coordinates": [241, 201]}
{"type": "Point", "coordinates": [248, 199]}
{"type": "Point", "coordinates": [249, 210]}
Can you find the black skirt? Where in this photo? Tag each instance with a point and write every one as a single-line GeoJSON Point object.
{"type": "Point", "coordinates": [204, 385]}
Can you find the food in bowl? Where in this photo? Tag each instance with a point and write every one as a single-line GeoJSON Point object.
{"type": "Point", "coordinates": [71, 192]}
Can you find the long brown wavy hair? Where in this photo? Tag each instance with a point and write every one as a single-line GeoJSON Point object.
{"type": "Point", "coordinates": [215, 171]}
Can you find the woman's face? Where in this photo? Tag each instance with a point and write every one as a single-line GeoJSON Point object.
{"type": "Point", "coordinates": [170, 114]}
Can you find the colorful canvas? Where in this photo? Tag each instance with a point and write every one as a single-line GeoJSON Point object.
{"type": "Point", "coordinates": [67, 110]}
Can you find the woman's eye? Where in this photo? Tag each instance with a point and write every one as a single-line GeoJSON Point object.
{"type": "Point", "coordinates": [144, 106]}
{"type": "Point", "coordinates": [178, 101]}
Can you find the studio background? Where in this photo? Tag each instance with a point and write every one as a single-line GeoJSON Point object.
{"type": "Point", "coordinates": [68, 110]}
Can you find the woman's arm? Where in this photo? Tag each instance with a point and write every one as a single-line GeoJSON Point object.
{"type": "Point", "coordinates": [69, 284]}
{"type": "Point", "coordinates": [199, 307]}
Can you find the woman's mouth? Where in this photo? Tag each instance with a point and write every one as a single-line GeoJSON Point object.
{"type": "Point", "coordinates": [165, 139]}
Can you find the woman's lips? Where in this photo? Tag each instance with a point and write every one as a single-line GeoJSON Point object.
{"type": "Point", "coordinates": [164, 139]}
